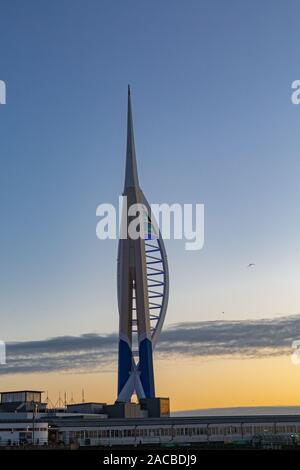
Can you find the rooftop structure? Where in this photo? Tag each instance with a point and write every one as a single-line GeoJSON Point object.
{"type": "Point", "coordinates": [22, 401]}
{"type": "Point", "coordinates": [21, 396]}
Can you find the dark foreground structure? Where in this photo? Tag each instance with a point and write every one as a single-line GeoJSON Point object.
{"type": "Point", "coordinates": [26, 421]}
{"type": "Point", "coordinates": [86, 431]}
{"type": "Point", "coordinates": [203, 431]}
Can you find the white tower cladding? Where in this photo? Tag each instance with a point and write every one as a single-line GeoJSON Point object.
{"type": "Point", "coordinates": [143, 288]}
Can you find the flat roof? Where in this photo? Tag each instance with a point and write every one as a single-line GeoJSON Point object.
{"type": "Point", "coordinates": [87, 403]}
{"type": "Point", "coordinates": [169, 421]}
{"type": "Point", "coordinates": [23, 391]}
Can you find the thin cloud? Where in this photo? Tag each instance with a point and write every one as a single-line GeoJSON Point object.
{"type": "Point", "coordinates": [93, 352]}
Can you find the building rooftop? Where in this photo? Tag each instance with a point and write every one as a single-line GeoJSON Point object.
{"type": "Point", "coordinates": [170, 421]}
{"type": "Point", "coordinates": [22, 391]}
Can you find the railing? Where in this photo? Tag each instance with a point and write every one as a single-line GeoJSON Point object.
{"type": "Point", "coordinates": [23, 443]}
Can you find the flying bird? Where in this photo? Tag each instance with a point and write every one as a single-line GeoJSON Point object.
{"type": "Point", "coordinates": [250, 265]}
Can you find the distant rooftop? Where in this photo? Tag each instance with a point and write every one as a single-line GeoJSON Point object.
{"type": "Point", "coordinates": [22, 391]}
{"type": "Point", "coordinates": [87, 403]}
{"type": "Point", "coordinates": [21, 396]}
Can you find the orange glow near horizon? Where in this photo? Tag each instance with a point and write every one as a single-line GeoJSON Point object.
{"type": "Point", "coordinates": [191, 383]}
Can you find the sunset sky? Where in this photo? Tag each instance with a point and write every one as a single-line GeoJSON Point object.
{"type": "Point", "coordinates": [214, 124]}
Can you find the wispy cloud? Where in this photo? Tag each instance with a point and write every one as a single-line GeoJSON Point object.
{"type": "Point", "coordinates": [250, 338]}
{"type": "Point", "coordinates": [91, 352]}
{"type": "Point", "coordinates": [83, 353]}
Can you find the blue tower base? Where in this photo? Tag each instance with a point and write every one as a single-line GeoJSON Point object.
{"type": "Point", "coordinates": [146, 368]}
{"type": "Point", "coordinates": [125, 364]}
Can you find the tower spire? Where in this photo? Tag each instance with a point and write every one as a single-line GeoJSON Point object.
{"type": "Point", "coordinates": [138, 326]}
{"type": "Point", "coordinates": [131, 174]}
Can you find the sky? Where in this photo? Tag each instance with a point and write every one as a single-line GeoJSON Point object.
{"type": "Point", "coordinates": [214, 124]}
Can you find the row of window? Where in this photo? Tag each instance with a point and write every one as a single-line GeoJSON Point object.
{"type": "Point", "coordinates": [183, 431]}
{"type": "Point", "coordinates": [22, 430]}
{"type": "Point", "coordinates": [20, 397]}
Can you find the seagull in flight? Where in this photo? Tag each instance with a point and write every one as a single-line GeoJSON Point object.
{"type": "Point", "coordinates": [250, 265]}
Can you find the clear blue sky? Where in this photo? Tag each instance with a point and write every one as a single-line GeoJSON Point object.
{"type": "Point", "coordinates": [214, 124]}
